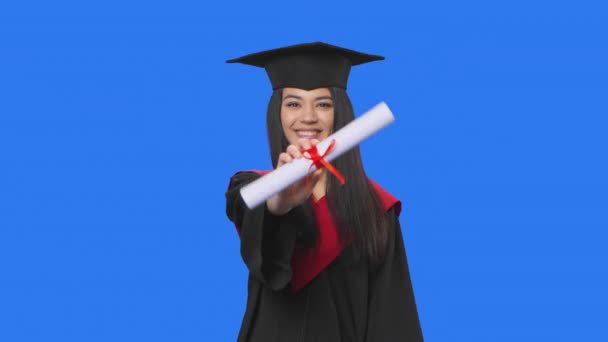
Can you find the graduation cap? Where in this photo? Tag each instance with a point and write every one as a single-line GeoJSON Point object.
{"type": "Point", "coordinates": [307, 66]}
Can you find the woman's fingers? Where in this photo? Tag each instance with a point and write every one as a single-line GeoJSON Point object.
{"type": "Point", "coordinates": [294, 152]}
{"type": "Point", "coordinates": [284, 158]}
{"type": "Point", "coordinates": [304, 144]}
{"type": "Point", "coordinates": [300, 191]}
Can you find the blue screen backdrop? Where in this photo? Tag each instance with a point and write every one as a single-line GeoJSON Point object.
{"type": "Point", "coordinates": [120, 125]}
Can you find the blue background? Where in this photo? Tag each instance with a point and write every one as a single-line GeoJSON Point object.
{"type": "Point", "coordinates": [120, 125]}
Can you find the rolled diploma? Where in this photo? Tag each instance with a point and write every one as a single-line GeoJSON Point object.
{"type": "Point", "coordinates": [351, 135]}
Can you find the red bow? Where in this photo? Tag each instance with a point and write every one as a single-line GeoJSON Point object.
{"type": "Point", "coordinates": [319, 162]}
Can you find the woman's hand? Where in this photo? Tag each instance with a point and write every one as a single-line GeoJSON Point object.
{"type": "Point", "coordinates": [298, 192]}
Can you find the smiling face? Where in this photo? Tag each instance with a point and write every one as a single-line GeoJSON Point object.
{"type": "Point", "coordinates": [307, 114]}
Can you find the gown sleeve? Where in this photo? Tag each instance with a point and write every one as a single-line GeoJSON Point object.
{"type": "Point", "coordinates": [267, 241]}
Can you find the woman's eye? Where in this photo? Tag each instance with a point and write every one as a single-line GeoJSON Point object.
{"type": "Point", "coordinates": [293, 104]}
{"type": "Point", "coordinates": [325, 104]}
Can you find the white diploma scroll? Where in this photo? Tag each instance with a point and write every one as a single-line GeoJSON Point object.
{"type": "Point", "coordinates": [351, 135]}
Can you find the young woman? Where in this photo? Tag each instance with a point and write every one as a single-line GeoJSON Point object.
{"type": "Point", "coordinates": [326, 261]}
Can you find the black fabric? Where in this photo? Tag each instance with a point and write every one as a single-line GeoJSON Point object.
{"type": "Point", "coordinates": [307, 66]}
{"type": "Point", "coordinates": [348, 301]}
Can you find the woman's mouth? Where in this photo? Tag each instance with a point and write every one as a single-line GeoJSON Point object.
{"type": "Point", "coordinates": [308, 133]}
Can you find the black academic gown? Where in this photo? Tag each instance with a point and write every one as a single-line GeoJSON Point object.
{"type": "Point", "coordinates": [349, 300]}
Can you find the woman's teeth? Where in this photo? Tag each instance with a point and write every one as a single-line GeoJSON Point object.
{"type": "Point", "coordinates": [307, 134]}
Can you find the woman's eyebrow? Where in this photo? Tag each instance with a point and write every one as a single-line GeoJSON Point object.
{"type": "Point", "coordinates": [294, 96]}
{"type": "Point", "coordinates": [324, 98]}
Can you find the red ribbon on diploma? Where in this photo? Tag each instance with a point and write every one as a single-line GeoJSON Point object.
{"type": "Point", "coordinates": [319, 162]}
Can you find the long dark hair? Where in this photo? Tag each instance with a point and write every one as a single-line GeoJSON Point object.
{"type": "Point", "coordinates": [358, 211]}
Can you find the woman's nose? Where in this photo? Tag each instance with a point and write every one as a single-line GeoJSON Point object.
{"type": "Point", "coordinates": [309, 114]}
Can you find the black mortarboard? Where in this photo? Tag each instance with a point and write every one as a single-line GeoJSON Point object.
{"type": "Point", "coordinates": [307, 66]}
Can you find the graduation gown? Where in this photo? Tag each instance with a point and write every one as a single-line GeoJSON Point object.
{"type": "Point", "coordinates": [323, 294]}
